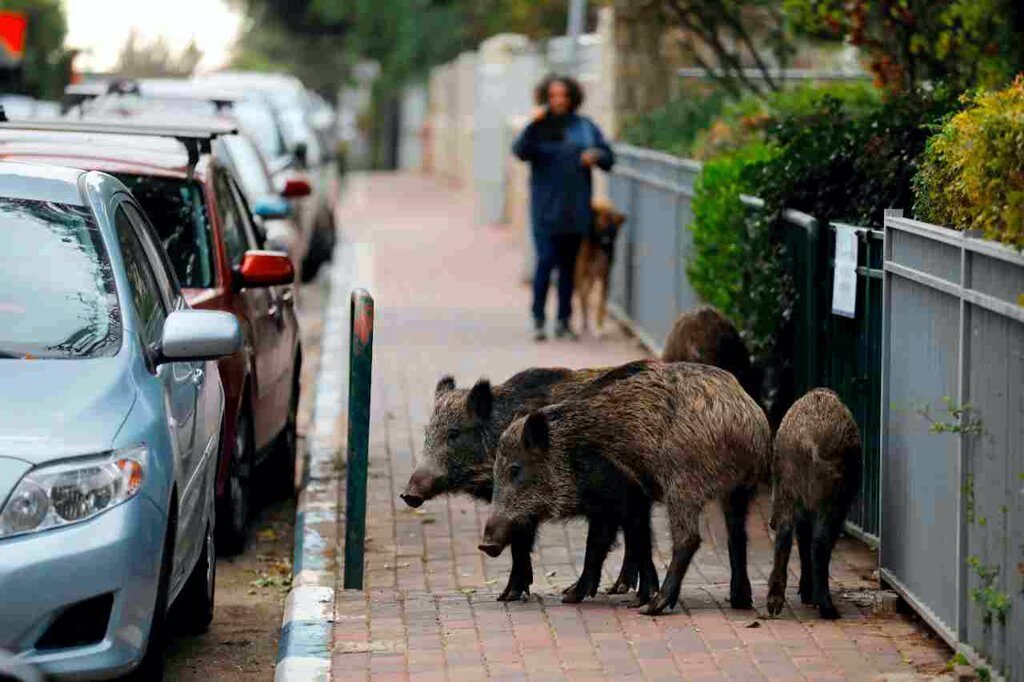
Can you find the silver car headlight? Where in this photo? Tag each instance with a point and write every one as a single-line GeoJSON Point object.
{"type": "Point", "coordinates": [60, 494]}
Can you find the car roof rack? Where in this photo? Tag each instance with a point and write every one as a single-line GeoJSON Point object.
{"type": "Point", "coordinates": [196, 138]}
{"type": "Point", "coordinates": [77, 93]}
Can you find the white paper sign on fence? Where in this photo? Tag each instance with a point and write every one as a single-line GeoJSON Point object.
{"type": "Point", "coordinates": [844, 283]}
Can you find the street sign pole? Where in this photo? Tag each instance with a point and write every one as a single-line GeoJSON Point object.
{"type": "Point", "coordinates": [360, 370]}
{"type": "Point", "coordinates": [577, 17]}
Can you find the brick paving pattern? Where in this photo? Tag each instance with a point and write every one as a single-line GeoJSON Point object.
{"type": "Point", "coordinates": [448, 302]}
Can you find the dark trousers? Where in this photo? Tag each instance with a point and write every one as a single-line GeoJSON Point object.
{"type": "Point", "coordinates": [555, 252]}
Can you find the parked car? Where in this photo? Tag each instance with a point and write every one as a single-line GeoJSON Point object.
{"type": "Point", "coordinates": [297, 114]}
{"type": "Point", "coordinates": [207, 231]}
{"type": "Point", "coordinates": [259, 122]}
{"type": "Point", "coordinates": [273, 213]}
{"type": "Point", "coordinates": [109, 433]}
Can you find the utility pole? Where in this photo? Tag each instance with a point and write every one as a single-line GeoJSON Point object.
{"type": "Point", "coordinates": [577, 17]}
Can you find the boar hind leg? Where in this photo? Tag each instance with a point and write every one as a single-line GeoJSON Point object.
{"type": "Point", "coordinates": [780, 569]}
{"type": "Point", "coordinates": [825, 531]}
{"type": "Point", "coordinates": [736, 505]}
{"type": "Point", "coordinates": [629, 574]}
{"type": "Point", "coordinates": [521, 577]}
{"type": "Point", "coordinates": [639, 547]}
{"type": "Point", "coordinates": [600, 537]}
{"type": "Point", "coordinates": [684, 518]}
{"type": "Point", "coordinates": [803, 539]}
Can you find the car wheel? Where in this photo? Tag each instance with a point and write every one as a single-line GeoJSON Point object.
{"type": "Point", "coordinates": [233, 514]}
{"type": "Point", "coordinates": [321, 248]}
{"type": "Point", "coordinates": [193, 609]}
{"type": "Point", "coordinates": [151, 668]}
{"type": "Point", "coordinates": [287, 446]}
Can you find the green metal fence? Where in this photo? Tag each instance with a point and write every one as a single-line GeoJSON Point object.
{"type": "Point", "coordinates": [852, 366]}
{"type": "Point", "coordinates": [844, 354]}
{"type": "Point", "coordinates": [816, 348]}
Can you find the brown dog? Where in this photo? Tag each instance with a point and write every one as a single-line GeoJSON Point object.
{"type": "Point", "coordinates": [594, 262]}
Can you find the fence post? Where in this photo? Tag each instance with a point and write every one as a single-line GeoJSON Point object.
{"type": "Point", "coordinates": [360, 365]}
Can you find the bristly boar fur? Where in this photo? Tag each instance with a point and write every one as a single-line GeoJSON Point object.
{"type": "Point", "coordinates": [686, 433]}
{"type": "Point", "coordinates": [817, 474]}
{"type": "Point", "coordinates": [458, 451]}
{"type": "Point", "coordinates": [707, 336]}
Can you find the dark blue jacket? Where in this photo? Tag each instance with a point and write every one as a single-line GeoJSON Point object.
{"type": "Point", "coordinates": [560, 185]}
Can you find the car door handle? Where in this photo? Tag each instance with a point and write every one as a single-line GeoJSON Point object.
{"type": "Point", "coordinates": [198, 376]}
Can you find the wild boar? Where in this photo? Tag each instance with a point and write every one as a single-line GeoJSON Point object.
{"type": "Point", "coordinates": [817, 474]}
{"type": "Point", "coordinates": [707, 336]}
{"type": "Point", "coordinates": [685, 433]}
{"type": "Point", "coordinates": [458, 455]}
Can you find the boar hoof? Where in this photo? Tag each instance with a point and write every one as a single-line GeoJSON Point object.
{"type": "Point", "coordinates": [775, 604]}
{"type": "Point", "coordinates": [620, 586]}
{"type": "Point", "coordinates": [638, 601]}
{"type": "Point", "coordinates": [828, 612]}
{"type": "Point", "coordinates": [514, 594]}
{"type": "Point", "coordinates": [572, 597]}
{"type": "Point", "coordinates": [656, 606]}
{"type": "Point", "coordinates": [807, 596]}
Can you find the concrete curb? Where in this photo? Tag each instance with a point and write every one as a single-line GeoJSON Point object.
{"type": "Point", "coordinates": [304, 650]}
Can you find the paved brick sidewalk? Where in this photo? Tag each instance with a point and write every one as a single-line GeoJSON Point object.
{"type": "Point", "coordinates": [448, 302]}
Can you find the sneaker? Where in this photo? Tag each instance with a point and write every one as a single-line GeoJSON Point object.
{"type": "Point", "coordinates": [538, 331]}
{"type": "Point", "coordinates": [564, 331]}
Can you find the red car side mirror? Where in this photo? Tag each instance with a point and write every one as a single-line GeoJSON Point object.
{"type": "Point", "coordinates": [265, 269]}
{"type": "Point", "coordinates": [295, 187]}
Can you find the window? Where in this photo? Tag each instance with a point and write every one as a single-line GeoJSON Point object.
{"type": "Point", "coordinates": [178, 214]}
{"type": "Point", "coordinates": [253, 237]}
{"type": "Point", "coordinates": [146, 297]}
{"type": "Point", "coordinates": [57, 292]}
{"type": "Point", "coordinates": [158, 256]}
{"type": "Point", "coordinates": [232, 226]}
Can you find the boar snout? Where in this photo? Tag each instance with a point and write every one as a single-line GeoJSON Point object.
{"type": "Point", "coordinates": [496, 534]}
{"type": "Point", "coordinates": [420, 487]}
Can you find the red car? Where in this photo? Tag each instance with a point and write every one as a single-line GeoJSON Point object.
{"type": "Point", "coordinates": [217, 252]}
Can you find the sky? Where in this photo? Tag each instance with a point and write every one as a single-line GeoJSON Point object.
{"type": "Point", "coordinates": [100, 27]}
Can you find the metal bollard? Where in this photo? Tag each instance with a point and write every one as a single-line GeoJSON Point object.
{"type": "Point", "coordinates": [360, 366]}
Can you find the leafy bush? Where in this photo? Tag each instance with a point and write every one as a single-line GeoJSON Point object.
{"type": "Point", "coordinates": [838, 153]}
{"type": "Point", "coordinates": [849, 159]}
{"type": "Point", "coordinates": [674, 127]}
{"type": "Point", "coordinates": [735, 266]}
{"type": "Point", "coordinates": [749, 119]}
{"type": "Point", "coordinates": [972, 177]}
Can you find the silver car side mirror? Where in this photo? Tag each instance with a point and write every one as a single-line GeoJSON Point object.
{"type": "Point", "coordinates": [196, 335]}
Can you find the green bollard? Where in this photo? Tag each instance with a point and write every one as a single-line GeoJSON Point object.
{"type": "Point", "coordinates": [360, 366]}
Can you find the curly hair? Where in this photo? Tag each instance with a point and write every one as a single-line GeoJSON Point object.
{"type": "Point", "coordinates": [576, 96]}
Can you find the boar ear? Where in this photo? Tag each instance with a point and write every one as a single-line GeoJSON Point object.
{"type": "Point", "coordinates": [536, 434]}
{"type": "Point", "coordinates": [481, 400]}
{"type": "Point", "coordinates": [618, 218]}
{"type": "Point", "coordinates": [446, 384]}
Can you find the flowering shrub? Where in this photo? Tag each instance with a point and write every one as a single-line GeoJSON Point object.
{"type": "Point", "coordinates": [972, 177]}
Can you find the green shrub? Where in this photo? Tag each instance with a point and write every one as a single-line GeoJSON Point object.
{"type": "Point", "coordinates": [849, 159]}
{"type": "Point", "coordinates": [674, 127]}
{"type": "Point", "coordinates": [749, 119]}
{"type": "Point", "coordinates": [972, 177]}
{"type": "Point", "coordinates": [839, 153]}
{"type": "Point", "coordinates": [735, 266]}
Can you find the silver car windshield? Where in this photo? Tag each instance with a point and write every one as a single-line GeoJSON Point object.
{"type": "Point", "coordinates": [57, 293]}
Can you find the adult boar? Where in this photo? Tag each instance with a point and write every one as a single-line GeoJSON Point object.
{"type": "Point", "coordinates": [707, 336]}
{"type": "Point", "coordinates": [458, 455]}
{"type": "Point", "coordinates": [685, 433]}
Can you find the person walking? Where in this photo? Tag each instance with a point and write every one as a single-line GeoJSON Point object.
{"type": "Point", "coordinates": [562, 147]}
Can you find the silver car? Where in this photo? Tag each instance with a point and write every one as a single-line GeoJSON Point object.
{"type": "Point", "coordinates": [108, 434]}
